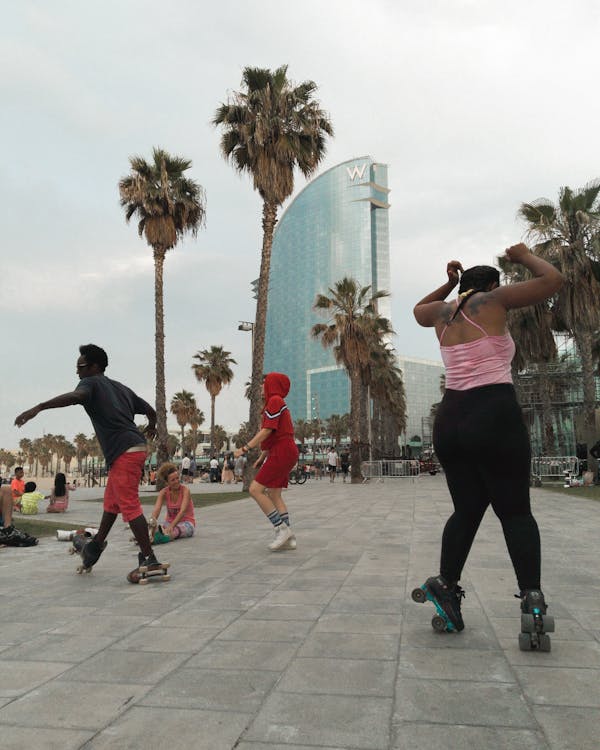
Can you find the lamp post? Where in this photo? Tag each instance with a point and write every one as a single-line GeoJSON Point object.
{"type": "Point", "coordinates": [246, 325]}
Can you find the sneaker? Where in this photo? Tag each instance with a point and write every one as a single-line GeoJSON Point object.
{"type": "Point", "coordinates": [282, 534]}
{"type": "Point", "coordinates": [12, 537]}
{"type": "Point", "coordinates": [160, 537]}
{"type": "Point", "coordinates": [291, 542]}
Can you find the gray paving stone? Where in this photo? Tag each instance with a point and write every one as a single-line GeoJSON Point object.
{"type": "Point", "coordinates": [18, 677]}
{"type": "Point", "coordinates": [266, 630]}
{"type": "Point", "coordinates": [569, 728]}
{"type": "Point", "coordinates": [418, 736]}
{"type": "Point", "coordinates": [243, 655]}
{"type": "Point", "coordinates": [340, 721]}
{"type": "Point", "coordinates": [61, 648]}
{"type": "Point", "coordinates": [218, 689]}
{"type": "Point", "coordinates": [66, 705]}
{"type": "Point", "coordinates": [173, 728]}
{"type": "Point", "coordinates": [174, 641]}
{"type": "Point", "coordinates": [452, 702]}
{"type": "Point", "coordinates": [196, 618]}
{"type": "Point", "coordinates": [560, 686]}
{"type": "Point", "coordinates": [18, 738]}
{"type": "Point", "coordinates": [454, 664]}
{"type": "Point", "coordinates": [350, 646]}
{"type": "Point", "coordinates": [117, 666]}
{"type": "Point", "coordinates": [282, 611]}
{"type": "Point", "coordinates": [367, 677]}
{"type": "Point", "coordinates": [350, 622]}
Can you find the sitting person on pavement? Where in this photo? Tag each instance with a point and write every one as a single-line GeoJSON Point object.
{"type": "Point", "coordinates": [59, 498]}
{"type": "Point", "coordinates": [10, 536]}
{"type": "Point", "coordinates": [180, 521]}
{"type": "Point", "coordinates": [30, 499]}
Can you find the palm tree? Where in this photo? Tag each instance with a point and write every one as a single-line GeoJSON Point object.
{"type": "Point", "coordinates": [335, 426]}
{"type": "Point", "coordinates": [568, 235]}
{"type": "Point", "coordinates": [302, 430]}
{"type": "Point", "coordinates": [353, 330]}
{"type": "Point", "coordinates": [214, 371]}
{"type": "Point", "coordinates": [26, 447]}
{"type": "Point", "coordinates": [242, 436]}
{"type": "Point", "coordinates": [81, 446]}
{"type": "Point", "coordinates": [531, 330]}
{"type": "Point", "coordinates": [184, 407]}
{"type": "Point", "coordinates": [389, 400]}
{"type": "Point", "coordinates": [268, 129]}
{"type": "Point", "coordinates": [195, 420]}
{"type": "Point", "coordinates": [220, 437]}
{"type": "Point", "coordinates": [168, 206]}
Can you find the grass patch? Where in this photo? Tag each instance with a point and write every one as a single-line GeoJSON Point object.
{"type": "Point", "coordinates": [200, 499]}
{"type": "Point", "coordinates": [591, 493]}
{"type": "Point", "coordinates": [41, 528]}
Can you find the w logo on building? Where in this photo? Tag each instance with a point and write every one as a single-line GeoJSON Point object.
{"type": "Point", "coordinates": [356, 171]}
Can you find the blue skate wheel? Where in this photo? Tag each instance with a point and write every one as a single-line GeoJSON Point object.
{"type": "Point", "coordinates": [419, 596]}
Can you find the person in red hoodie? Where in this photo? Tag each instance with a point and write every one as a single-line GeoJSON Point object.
{"type": "Point", "coordinates": [278, 457]}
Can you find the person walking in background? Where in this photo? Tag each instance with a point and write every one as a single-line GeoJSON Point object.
{"type": "Point", "coordinates": [185, 469]}
{"type": "Point", "coordinates": [479, 434]}
{"type": "Point", "coordinates": [111, 406]}
{"type": "Point", "coordinates": [278, 457]}
{"type": "Point", "coordinates": [332, 463]}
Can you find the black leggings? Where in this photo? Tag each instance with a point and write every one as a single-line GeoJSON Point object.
{"type": "Point", "coordinates": [481, 441]}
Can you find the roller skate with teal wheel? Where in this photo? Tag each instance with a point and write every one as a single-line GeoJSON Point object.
{"type": "Point", "coordinates": [535, 623]}
{"type": "Point", "coordinates": [446, 598]}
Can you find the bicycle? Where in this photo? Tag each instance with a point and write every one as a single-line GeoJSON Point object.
{"type": "Point", "coordinates": [298, 475]}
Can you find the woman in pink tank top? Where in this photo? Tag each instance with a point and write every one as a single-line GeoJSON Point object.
{"type": "Point", "coordinates": [479, 434]}
{"type": "Point", "coordinates": [180, 521]}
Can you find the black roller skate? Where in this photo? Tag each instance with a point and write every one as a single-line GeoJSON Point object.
{"type": "Point", "coordinates": [90, 553]}
{"type": "Point", "coordinates": [149, 567]}
{"type": "Point", "coordinates": [535, 623]}
{"type": "Point", "coordinates": [446, 599]}
{"type": "Point", "coordinates": [12, 537]}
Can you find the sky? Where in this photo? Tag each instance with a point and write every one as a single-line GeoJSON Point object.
{"type": "Point", "coordinates": [475, 105]}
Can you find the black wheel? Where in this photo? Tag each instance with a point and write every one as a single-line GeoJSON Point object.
{"type": "Point", "coordinates": [438, 624]}
{"type": "Point", "coordinates": [524, 642]}
{"type": "Point", "coordinates": [301, 477]}
{"type": "Point", "coordinates": [545, 644]}
{"type": "Point", "coordinates": [548, 624]}
{"type": "Point", "coordinates": [527, 623]}
{"type": "Point", "coordinates": [433, 473]}
{"type": "Point", "coordinates": [293, 477]}
{"type": "Point", "coordinates": [419, 596]}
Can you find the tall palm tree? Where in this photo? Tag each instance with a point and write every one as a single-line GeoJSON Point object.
{"type": "Point", "coordinates": [195, 420]}
{"type": "Point", "coordinates": [213, 369]}
{"type": "Point", "coordinates": [168, 206]}
{"type": "Point", "coordinates": [269, 128]}
{"type": "Point", "coordinates": [568, 235]}
{"type": "Point", "coordinates": [81, 445]}
{"type": "Point", "coordinates": [531, 330]}
{"type": "Point", "coordinates": [335, 426]}
{"type": "Point", "coordinates": [220, 438]}
{"type": "Point", "coordinates": [353, 330]}
{"type": "Point", "coordinates": [242, 436]}
{"type": "Point", "coordinates": [26, 447]}
{"type": "Point", "coordinates": [389, 400]}
{"type": "Point", "coordinates": [184, 407]}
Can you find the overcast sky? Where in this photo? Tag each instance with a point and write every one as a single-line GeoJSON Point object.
{"type": "Point", "coordinates": [475, 106]}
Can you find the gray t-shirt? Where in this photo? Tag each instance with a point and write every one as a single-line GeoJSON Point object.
{"type": "Point", "coordinates": [111, 406]}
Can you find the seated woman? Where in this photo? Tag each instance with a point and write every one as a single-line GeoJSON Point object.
{"type": "Point", "coordinates": [59, 499]}
{"type": "Point", "coordinates": [30, 499]}
{"type": "Point", "coordinates": [180, 521]}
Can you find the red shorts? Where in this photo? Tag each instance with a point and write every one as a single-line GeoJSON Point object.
{"type": "Point", "coordinates": [275, 471]}
{"type": "Point", "coordinates": [121, 493]}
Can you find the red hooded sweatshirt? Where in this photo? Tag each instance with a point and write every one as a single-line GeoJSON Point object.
{"type": "Point", "coordinates": [276, 415]}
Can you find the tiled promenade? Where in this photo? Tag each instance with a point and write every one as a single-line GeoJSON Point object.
{"type": "Point", "coordinates": [317, 648]}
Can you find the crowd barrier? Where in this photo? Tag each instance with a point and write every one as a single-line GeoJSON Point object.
{"type": "Point", "coordinates": [381, 470]}
{"type": "Point", "coordinates": [553, 467]}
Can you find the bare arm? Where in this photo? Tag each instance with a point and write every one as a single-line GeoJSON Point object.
{"type": "Point", "coordinates": [261, 435]}
{"type": "Point", "coordinates": [428, 310]}
{"type": "Point", "coordinates": [158, 505]}
{"type": "Point", "coordinates": [187, 499]}
{"type": "Point", "coordinates": [546, 282]}
{"type": "Point", "coordinates": [66, 399]}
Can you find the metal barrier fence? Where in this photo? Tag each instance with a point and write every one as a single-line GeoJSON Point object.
{"type": "Point", "coordinates": [554, 467]}
{"type": "Point", "coordinates": [381, 470]}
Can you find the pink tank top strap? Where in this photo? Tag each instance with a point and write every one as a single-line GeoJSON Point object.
{"type": "Point", "coordinates": [473, 323]}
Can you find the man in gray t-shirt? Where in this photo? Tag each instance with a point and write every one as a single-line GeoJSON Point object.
{"type": "Point", "coordinates": [111, 406]}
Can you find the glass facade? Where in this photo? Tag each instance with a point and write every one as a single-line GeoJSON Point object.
{"type": "Point", "coordinates": [337, 226]}
{"type": "Point", "coordinates": [422, 385]}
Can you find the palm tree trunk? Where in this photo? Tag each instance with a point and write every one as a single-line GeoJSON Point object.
{"type": "Point", "coordinates": [548, 448]}
{"type": "Point", "coordinates": [584, 340]}
{"type": "Point", "coordinates": [355, 409]}
{"type": "Point", "coordinates": [162, 452]}
{"type": "Point", "coordinates": [212, 424]}
{"type": "Point", "coordinates": [260, 324]}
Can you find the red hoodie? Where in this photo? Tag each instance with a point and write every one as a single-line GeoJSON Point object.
{"type": "Point", "coordinates": [276, 415]}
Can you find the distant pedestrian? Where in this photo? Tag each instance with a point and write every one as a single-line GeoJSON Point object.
{"type": "Point", "coordinates": [332, 463]}
{"type": "Point", "coordinates": [185, 469]}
